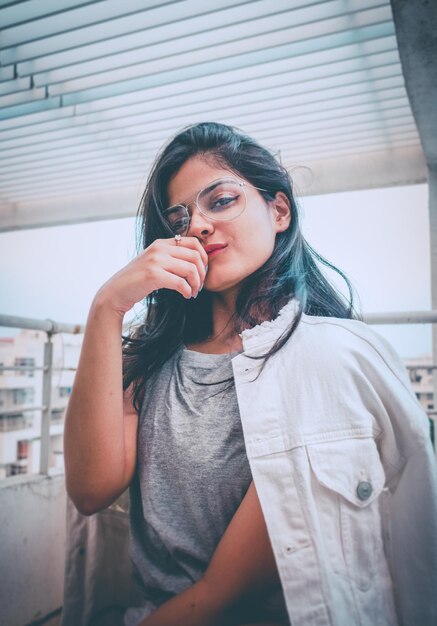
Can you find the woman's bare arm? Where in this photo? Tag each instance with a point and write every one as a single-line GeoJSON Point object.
{"type": "Point", "coordinates": [100, 423]}
{"type": "Point", "coordinates": [243, 566]}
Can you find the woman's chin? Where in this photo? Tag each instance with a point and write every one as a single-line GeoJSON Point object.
{"type": "Point", "coordinates": [218, 286]}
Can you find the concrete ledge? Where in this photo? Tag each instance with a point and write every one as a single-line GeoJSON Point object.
{"type": "Point", "coordinates": [32, 548]}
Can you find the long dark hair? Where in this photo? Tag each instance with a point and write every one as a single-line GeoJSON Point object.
{"type": "Point", "coordinates": [291, 271]}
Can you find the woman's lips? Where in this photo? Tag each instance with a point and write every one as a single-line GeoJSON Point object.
{"type": "Point", "coordinates": [215, 250]}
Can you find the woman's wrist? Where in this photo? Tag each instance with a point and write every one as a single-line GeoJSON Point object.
{"type": "Point", "coordinates": [103, 307]}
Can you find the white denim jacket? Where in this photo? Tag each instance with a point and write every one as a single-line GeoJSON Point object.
{"type": "Point", "coordinates": [341, 457]}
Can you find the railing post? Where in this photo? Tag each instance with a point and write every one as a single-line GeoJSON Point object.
{"type": "Point", "coordinates": [432, 190]}
{"type": "Point", "coordinates": [47, 405]}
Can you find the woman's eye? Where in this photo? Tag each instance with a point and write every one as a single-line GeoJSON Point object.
{"type": "Point", "coordinates": [178, 227]}
{"type": "Point", "coordinates": [223, 202]}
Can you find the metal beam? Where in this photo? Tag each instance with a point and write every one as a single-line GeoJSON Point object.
{"type": "Point", "coordinates": [366, 171]}
{"type": "Point", "coordinates": [278, 117]}
{"type": "Point", "coordinates": [132, 16]}
{"type": "Point", "coordinates": [261, 107]}
{"type": "Point", "coordinates": [160, 72]}
{"type": "Point", "coordinates": [21, 12]}
{"type": "Point", "coordinates": [69, 19]}
{"type": "Point", "coordinates": [49, 181]}
{"type": "Point", "coordinates": [116, 46]}
{"type": "Point", "coordinates": [38, 171]}
{"type": "Point", "coordinates": [332, 81]}
{"type": "Point", "coordinates": [416, 32]}
{"type": "Point", "coordinates": [215, 42]}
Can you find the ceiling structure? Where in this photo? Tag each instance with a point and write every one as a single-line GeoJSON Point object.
{"type": "Point", "coordinates": [90, 91]}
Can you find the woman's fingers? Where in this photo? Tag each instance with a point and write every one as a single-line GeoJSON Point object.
{"type": "Point", "coordinates": [187, 261]}
{"type": "Point", "coordinates": [188, 271]}
{"type": "Point", "coordinates": [192, 256]}
{"type": "Point", "coordinates": [191, 243]}
{"type": "Point", "coordinates": [172, 281]}
{"type": "Point", "coordinates": [163, 264]}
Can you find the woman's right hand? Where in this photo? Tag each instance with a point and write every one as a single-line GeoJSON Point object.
{"type": "Point", "coordinates": [163, 264]}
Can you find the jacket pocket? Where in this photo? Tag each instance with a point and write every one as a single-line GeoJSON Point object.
{"type": "Point", "coordinates": [347, 479]}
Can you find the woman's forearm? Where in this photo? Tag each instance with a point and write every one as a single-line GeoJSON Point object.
{"type": "Point", "coordinates": [94, 434]}
{"type": "Point", "coordinates": [196, 606]}
{"type": "Point", "coordinates": [241, 571]}
{"type": "Point", "coordinates": [243, 563]}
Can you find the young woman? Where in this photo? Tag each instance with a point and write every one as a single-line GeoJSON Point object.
{"type": "Point", "coordinates": [248, 367]}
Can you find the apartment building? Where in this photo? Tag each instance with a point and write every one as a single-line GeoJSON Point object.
{"type": "Point", "coordinates": [21, 398]}
{"type": "Point", "coordinates": [421, 376]}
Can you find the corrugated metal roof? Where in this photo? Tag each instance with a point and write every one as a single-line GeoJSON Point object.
{"type": "Point", "coordinates": [89, 92]}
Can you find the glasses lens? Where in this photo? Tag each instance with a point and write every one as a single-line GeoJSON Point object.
{"type": "Point", "coordinates": [223, 199]}
{"type": "Point", "coordinates": [178, 219]}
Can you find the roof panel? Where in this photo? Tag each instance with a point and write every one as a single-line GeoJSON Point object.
{"type": "Point", "coordinates": [19, 84]}
{"type": "Point", "coordinates": [105, 28]}
{"type": "Point", "coordinates": [138, 42]}
{"type": "Point", "coordinates": [90, 91]}
{"type": "Point", "coordinates": [68, 19]}
{"type": "Point", "coordinates": [350, 59]}
{"type": "Point", "coordinates": [298, 144]}
{"type": "Point", "coordinates": [281, 107]}
{"type": "Point", "coordinates": [285, 98]}
{"type": "Point", "coordinates": [169, 43]}
{"type": "Point", "coordinates": [301, 53]}
{"type": "Point", "coordinates": [20, 12]}
{"type": "Point", "coordinates": [259, 101]}
{"type": "Point", "coordinates": [242, 93]}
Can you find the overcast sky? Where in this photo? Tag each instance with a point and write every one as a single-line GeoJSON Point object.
{"type": "Point", "coordinates": [379, 238]}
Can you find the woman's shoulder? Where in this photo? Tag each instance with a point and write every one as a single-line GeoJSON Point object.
{"type": "Point", "coordinates": [333, 342]}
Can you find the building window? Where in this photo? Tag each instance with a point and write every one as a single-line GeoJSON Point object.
{"type": "Point", "coordinates": [430, 407]}
{"type": "Point", "coordinates": [23, 362]}
{"type": "Point", "coordinates": [12, 422]}
{"type": "Point", "coordinates": [23, 396]}
{"type": "Point", "coordinates": [22, 449]}
{"type": "Point", "coordinates": [415, 377]}
{"type": "Point", "coordinates": [17, 468]}
{"type": "Point", "coordinates": [418, 396]}
{"type": "Point", "coordinates": [429, 396]}
{"type": "Point", "coordinates": [57, 414]}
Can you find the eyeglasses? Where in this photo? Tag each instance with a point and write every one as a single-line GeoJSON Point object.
{"type": "Point", "coordinates": [222, 200]}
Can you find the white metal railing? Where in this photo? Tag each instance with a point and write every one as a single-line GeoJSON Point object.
{"type": "Point", "coordinates": [51, 327]}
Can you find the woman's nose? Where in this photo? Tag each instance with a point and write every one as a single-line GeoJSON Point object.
{"type": "Point", "coordinates": [200, 226]}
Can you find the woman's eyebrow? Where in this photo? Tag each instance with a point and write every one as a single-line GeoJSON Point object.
{"type": "Point", "coordinates": [209, 187]}
{"type": "Point", "coordinates": [187, 202]}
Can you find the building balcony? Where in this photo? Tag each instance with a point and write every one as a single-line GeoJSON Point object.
{"type": "Point", "coordinates": [15, 422]}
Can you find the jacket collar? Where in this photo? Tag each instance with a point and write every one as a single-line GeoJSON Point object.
{"type": "Point", "coordinates": [270, 330]}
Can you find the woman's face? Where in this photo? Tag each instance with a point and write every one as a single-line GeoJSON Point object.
{"type": "Point", "coordinates": [247, 241]}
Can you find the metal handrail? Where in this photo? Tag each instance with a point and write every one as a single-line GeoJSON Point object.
{"type": "Point", "coordinates": [21, 368]}
{"type": "Point", "coordinates": [24, 409]}
{"type": "Point", "coordinates": [406, 317]}
{"type": "Point", "coordinates": [51, 327]}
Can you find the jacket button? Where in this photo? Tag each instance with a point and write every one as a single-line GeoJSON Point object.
{"type": "Point", "coordinates": [364, 490]}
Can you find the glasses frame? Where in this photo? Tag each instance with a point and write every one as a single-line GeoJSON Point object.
{"type": "Point", "coordinates": [241, 183]}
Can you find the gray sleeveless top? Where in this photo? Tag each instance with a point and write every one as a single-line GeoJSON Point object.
{"type": "Point", "coordinates": [192, 474]}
